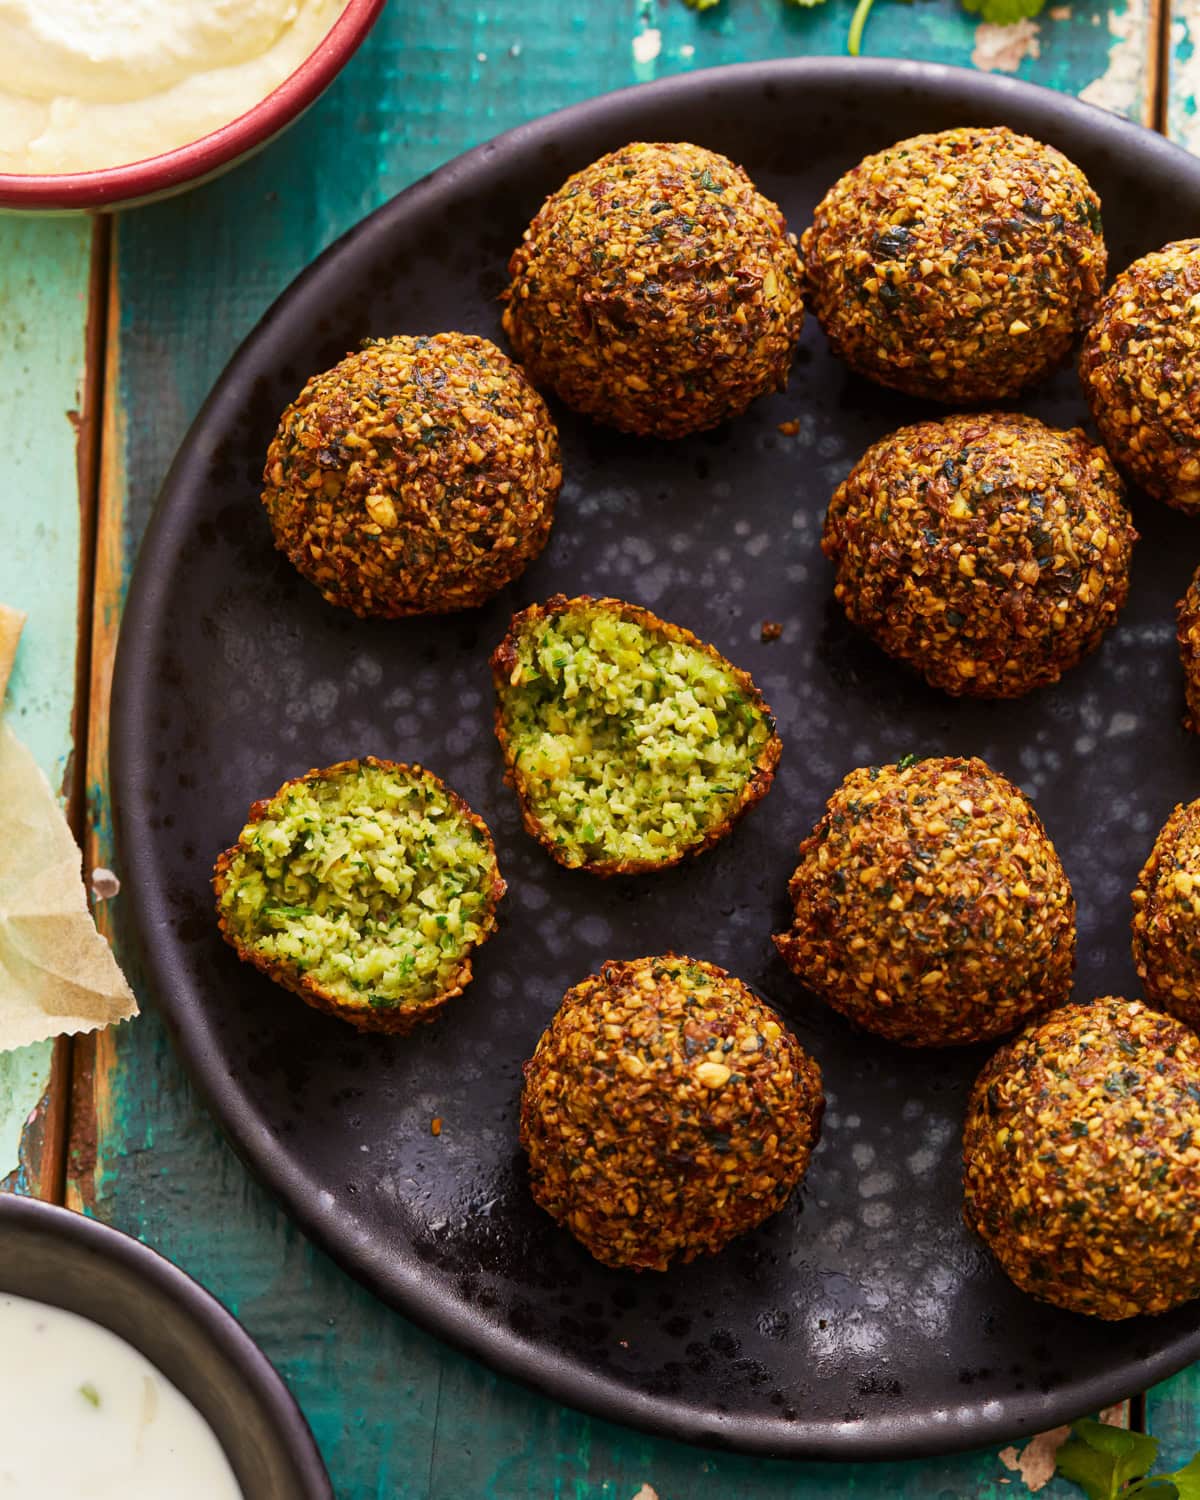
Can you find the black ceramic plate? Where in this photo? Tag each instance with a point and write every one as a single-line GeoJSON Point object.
{"type": "Point", "coordinates": [68, 1261]}
{"type": "Point", "coordinates": [863, 1321]}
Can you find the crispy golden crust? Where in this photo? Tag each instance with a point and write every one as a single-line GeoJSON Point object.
{"type": "Point", "coordinates": [991, 553]}
{"type": "Point", "coordinates": [666, 1111]}
{"type": "Point", "coordinates": [1140, 367]}
{"type": "Point", "coordinates": [1187, 615]}
{"type": "Point", "coordinates": [504, 659]}
{"type": "Point", "coordinates": [1166, 918]}
{"type": "Point", "coordinates": [396, 1019]}
{"type": "Point", "coordinates": [930, 905]}
{"type": "Point", "coordinates": [1081, 1157]}
{"type": "Point", "coordinates": [958, 266]}
{"type": "Point", "coordinates": [417, 476]}
{"type": "Point", "coordinates": [656, 291]}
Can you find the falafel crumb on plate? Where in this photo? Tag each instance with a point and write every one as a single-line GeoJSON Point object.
{"type": "Point", "coordinates": [666, 1110]}
{"type": "Point", "coordinates": [364, 888]}
{"type": "Point", "coordinates": [630, 743]}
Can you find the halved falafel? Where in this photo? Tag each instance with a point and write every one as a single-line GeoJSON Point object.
{"type": "Point", "coordinates": [1166, 918]}
{"type": "Point", "coordinates": [930, 905]}
{"type": "Point", "coordinates": [657, 291]}
{"type": "Point", "coordinates": [959, 266]}
{"type": "Point", "coordinates": [1140, 368]}
{"type": "Point", "coordinates": [630, 743]}
{"type": "Point", "coordinates": [1081, 1159]}
{"type": "Point", "coordinates": [991, 553]}
{"type": "Point", "coordinates": [665, 1111]}
{"type": "Point", "coordinates": [364, 888]}
{"type": "Point", "coordinates": [418, 476]}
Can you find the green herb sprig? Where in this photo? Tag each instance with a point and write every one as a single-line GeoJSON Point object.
{"type": "Point", "coordinates": [1111, 1463]}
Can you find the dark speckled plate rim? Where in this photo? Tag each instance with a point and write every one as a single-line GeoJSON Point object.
{"type": "Point", "coordinates": [406, 1287]}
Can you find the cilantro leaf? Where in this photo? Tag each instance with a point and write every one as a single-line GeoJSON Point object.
{"type": "Point", "coordinates": [1102, 1459]}
{"type": "Point", "coordinates": [1133, 1453]}
{"type": "Point", "coordinates": [1160, 1488]}
{"type": "Point", "coordinates": [1185, 1480]}
{"type": "Point", "coordinates": [1003, 12]}
{"type": "Point", "coordinates": [1091, 1471]}
{"type": "Point", "coordinates": [806, 4]}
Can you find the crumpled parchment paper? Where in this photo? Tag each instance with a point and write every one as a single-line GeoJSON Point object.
{"type": "Point", "coordinates": [57, 974]}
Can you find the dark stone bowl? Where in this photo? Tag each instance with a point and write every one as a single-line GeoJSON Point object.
{"type": "Point", "coordinates": [52, 1255]}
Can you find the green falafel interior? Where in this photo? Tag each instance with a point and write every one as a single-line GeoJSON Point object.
{"type": "Point", "coordinates": [369, 883]}
{"type": "Point", "coordinates": [630, 742]}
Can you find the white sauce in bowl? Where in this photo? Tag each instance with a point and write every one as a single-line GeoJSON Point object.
{"type": "Point", "coordinates": [88, 84]}
{"type": "Point", "coordinates": [84, 1416]}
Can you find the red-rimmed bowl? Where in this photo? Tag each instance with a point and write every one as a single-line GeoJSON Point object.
{"type": "Point", "coordinates": [185, 166]}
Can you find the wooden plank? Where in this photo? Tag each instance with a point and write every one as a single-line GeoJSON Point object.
{"type": "Point", "coordinates": [44, 278]}
{"type": "Point", "coordinates": [1182, 92]}
{"type": "Point", "coordinates": [397, 1413]}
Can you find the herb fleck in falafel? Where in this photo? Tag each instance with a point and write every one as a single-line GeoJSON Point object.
{"type": "Point", "coordinates": [1187, 616]}
{"type": "Point", "coordinates": [657, 291]}
{"type": "Point", "coordinates": [1166, 918]}
{"type": "Point", "coordinates": [930, 905]}
{"type": "Point", "coordinates": [666, 1111]}
{"type": "Point", "coordinates": [958, 266]}
{"type": "Point", "coordinates": [417, 476]}
{"type": "Point", "coordinates": [1081, 1159]}
{"type": "Point", "coordinates": [989, 552]}
{"type": "Point", "coordinates": [1140, 368]}
{"type": "Point", "coordinates": [363, 888]}
{"type": "Point", "coordinates": [629, 742]}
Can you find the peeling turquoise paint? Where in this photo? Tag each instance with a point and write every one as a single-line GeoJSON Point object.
{"type": "Point", "coordinates": [24, 1078]}
{"type": "Point", "coordinates": [1185, 79]}
{"type": "Point", "coordinates": [43, 316]}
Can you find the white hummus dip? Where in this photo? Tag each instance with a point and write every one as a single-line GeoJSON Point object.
{"type": "Point", "coordinates": [84, 1416]}
{"type": "Point", "coordinates": [99, 83]}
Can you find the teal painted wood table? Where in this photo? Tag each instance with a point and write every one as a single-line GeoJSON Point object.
{"type": "Point", "coordinates": [110, 337]}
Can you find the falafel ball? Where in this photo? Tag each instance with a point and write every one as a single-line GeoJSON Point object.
{"type": "Point", "coordinates": [657, 291]}
{"type": "Point", "coordinates": [1140, 369]}
{"type": "Point", "coordinates": [666, 1110]}
{"type": "Point", "coordinates": [931, 906]}
{"type": "Point", "coordinates": [958, 266]}
{"type": "Point", "coordinates": [1081, 1157]}
{"type": "Point", "coordinates": [1166, 918]}
{"type": "Point", "coordinates": [417, 476]}
{"type": "Point", "coordinates": [364, 888]}
{"type": "Point", "coordinates": [1187, 616]}
{"type": "Point", "coordinates": [630, 743]}
{"type": "Point", "coordinates": [989, 552]}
